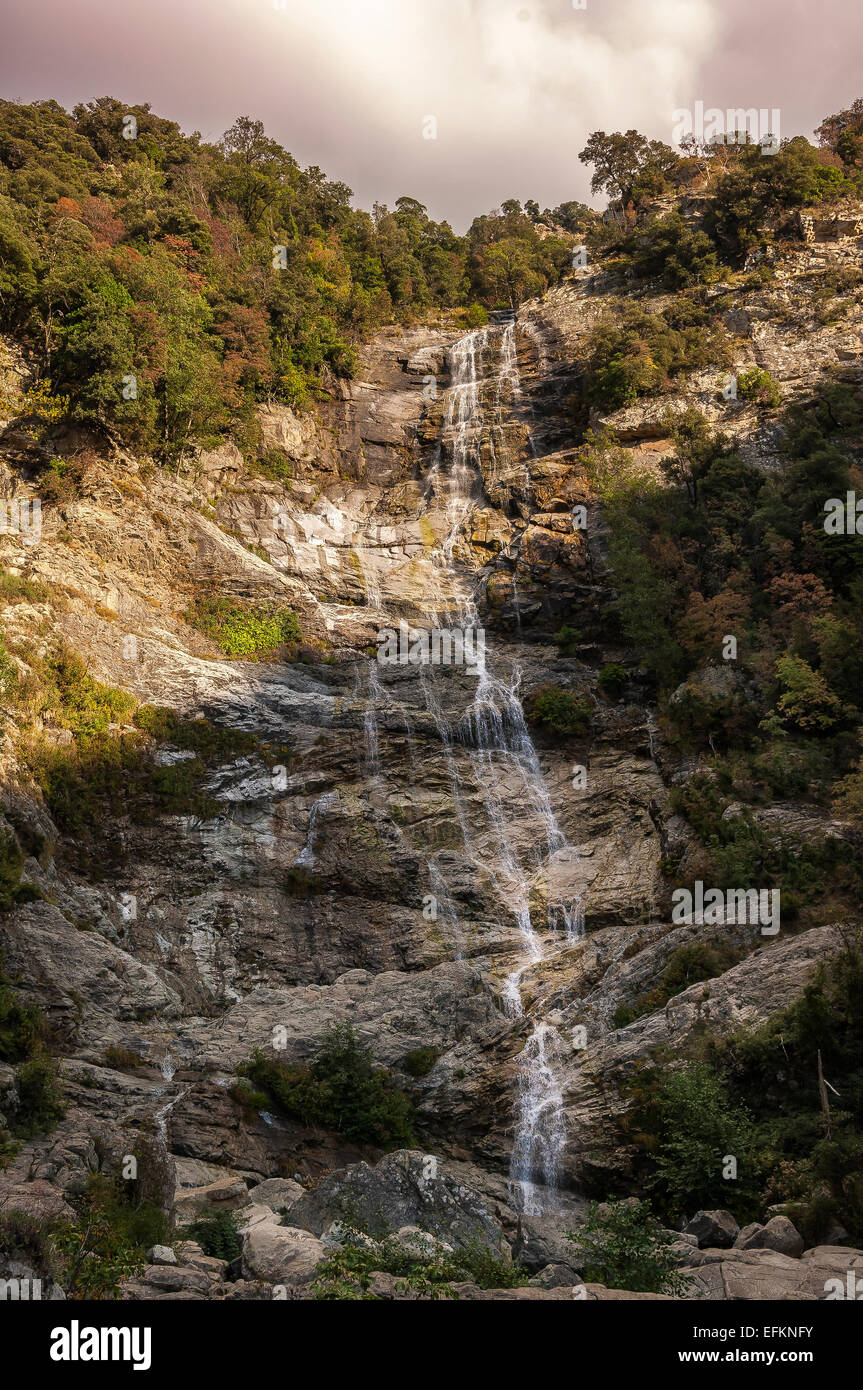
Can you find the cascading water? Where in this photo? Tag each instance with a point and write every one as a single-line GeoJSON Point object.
{"type": "Point", "coordinates": [306, 858]}
{"type": "Point", "coordinates": [494, 735]}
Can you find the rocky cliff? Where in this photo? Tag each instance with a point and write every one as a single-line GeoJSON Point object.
{"type": "Point", "coordinates": [394, 846]}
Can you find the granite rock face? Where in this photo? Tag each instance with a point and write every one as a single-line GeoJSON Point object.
{"type": "Point", "coordinates": [305, 899]}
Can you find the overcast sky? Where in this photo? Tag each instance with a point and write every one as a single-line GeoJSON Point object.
{"type": "Point", "coordinates": [515, 85]}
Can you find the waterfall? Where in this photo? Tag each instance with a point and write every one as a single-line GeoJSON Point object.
{"type": "Point", "coordinates": [540, 1135]}
{"type": "Point", "coordinates": [306, 857]}
{"type": "Point", "coordinates": [494, 731]}
{"type": "Point", "coordinates": [493, 734]}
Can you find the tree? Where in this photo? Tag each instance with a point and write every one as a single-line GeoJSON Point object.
{"type": "Point", "coordinates": [628, 165]}
{"type": "Point", "coordinates": [843, 132]}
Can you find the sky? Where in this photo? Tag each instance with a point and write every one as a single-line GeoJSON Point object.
{"type": "Point", "coordinates": [514, 87]}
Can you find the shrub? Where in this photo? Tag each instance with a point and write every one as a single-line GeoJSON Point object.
{"type": "Point", "coordinates": [626, 1248]}
{"type": "Point", "coordinates": [107, 1240]}
{"type": "Point", "coordinates": [634, 353]}
{"type": "Point", "coordinates": [40, 1105]}
{"type": "Point", "coordinates": [12, 857]}
{"type": "Point", "coordinates": [613, 680]}
{"type": "Point", "coordinates": [346, 1273]}
{"type": "Point", "coordinates": [217, 1235]}
{"type": "Point", "coordinates": [121, 1058]}
{"type": "Point", "coordinates": [758, 385]}
{"type": "Point", "coordinates": [420, 1061]}
{"type": "Point", "coordinates": [697, 1126]}
{"type": "Point", "coordinates": [567, 640]}
{"type": "Point", "coordinates": [806, 702]}
{"type": "Point", "coordinates": [341, 1090]}
{"type": "Point", "coordinates": [15, 588]}
{"type": "Point", "coordinates": [196, 735]}
{"type": "Point", "coordinates": [22, 1026]}
{"type": "Point", "coordinates": [559, 712]}
{"type": "Point", "coordinates": [690, 963]}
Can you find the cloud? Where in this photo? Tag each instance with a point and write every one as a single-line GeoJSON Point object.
{"type": "Point", "coordinates": [516, 85]}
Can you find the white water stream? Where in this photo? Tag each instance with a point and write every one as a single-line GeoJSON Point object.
{"type": "Point", "coordinates": [485, 384]}
{"type": "Point", "coordinates": [494, 731]}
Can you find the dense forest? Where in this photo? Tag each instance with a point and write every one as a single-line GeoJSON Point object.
{"type": "Point", "coordinates": [216, 276]}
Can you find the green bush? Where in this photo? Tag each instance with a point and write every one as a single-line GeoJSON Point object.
{"type": "Point", "coordinates": [341, 1090]}
{"type": "Point", "coordinates": [633, 352]}
{"type": "Point", "coordinates": [695, 961]}
{"type": "Point", "coordinates": [22, 1026]}
{"type": "Point", "coordinates": [40, 1106]}
{"type": "Point", "coordinates": [695, 1125]}
{"type": "Point", "coordinates": [217, 1235]}
{"type": "Point", "coordinates": [107, 1240]}
{"type": "Point", "coordinates": [244, 632]}
{"type": "Point", "coordinates": [567, 640]}
{"type": "Point", "coordinates": [613, 680]}
{"type": "Point", "coordinates": [196, 735]}
{"type": "Point", "coordinates": [625, 1247]}
{"type": "Point", "coordinates": [758, 385]}
{"type": "Point", "coordinates": [12, 858]}
{"type": "Point", "coordinates": [559, 712]}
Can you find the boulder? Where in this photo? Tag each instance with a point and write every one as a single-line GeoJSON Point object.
{"type": "Point", "coordinates": [276, 1193]}
{"type": "Point", "coordinates": [778, 1234]}
{"type": "Point", "coordinates": [161, 1255]}
{"type": "Point", "coordinates": [280, 1254]}
{"type": "Point", "coordinates": [228, 1194]}
{"type": "Point", "coordinates": [554, 1277]}
{"type": "Point", "coordinates": [397, 1192]}
{"type": "Point", "coordinates": [714, 1228]}
{"type": "Point", "coordinates": [745, 1234]}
